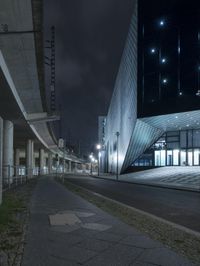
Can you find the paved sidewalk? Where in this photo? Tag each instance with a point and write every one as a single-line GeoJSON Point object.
{"type": "Point", "coordinates": [179, 177]}
{"type": "Point", "coordinates": [66, 230]}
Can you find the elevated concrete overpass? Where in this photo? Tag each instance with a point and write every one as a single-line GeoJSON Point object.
{"type": "Point", "coordinates": [24, 119]}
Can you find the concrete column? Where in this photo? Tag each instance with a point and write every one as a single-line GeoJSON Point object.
{"type": "Point", "coordinates": [17, 157]}
{"type": "Point", "coordinates": [8, 130]}
{"type": "Point", "coordinates": [29, 157]}
{"type": "Point", "coordinates": [50, 162]}
{"type": "Point", "coordinates": [1, 156]}
{"type": "Point", "coordinates": [70, 166]}
{"type": "Point", "coordinates": [17, 161]}
{"type": "Point", "coordinates": [75, 167]}
{"type": "Point", "coordinates": [42, 161]}
{"type": "Point", "coordinates": [83, 167]}
{"type": "Point", "coordinates": [58, 165]}
{"type": "Point", "coordinates": [65, 166]}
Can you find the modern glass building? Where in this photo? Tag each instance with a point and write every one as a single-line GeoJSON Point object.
{"type": "Point", "coordinates": [168, 53]}
{"type": "Point", "coordinates": [154, 114]}
{"type": "Point", "coordinates": [174, 148]}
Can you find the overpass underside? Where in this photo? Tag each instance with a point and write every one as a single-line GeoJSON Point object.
{"type": "Point", "coordinates": [26, 138]}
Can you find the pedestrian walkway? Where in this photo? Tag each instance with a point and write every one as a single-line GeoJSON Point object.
{"type": "Point", "coordinates": [66, 230]}
{"type": "Point", "coordinates": [180, 177]}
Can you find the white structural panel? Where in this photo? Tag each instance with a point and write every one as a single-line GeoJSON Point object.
{"type": "Point", "coordinates": [122, 112]}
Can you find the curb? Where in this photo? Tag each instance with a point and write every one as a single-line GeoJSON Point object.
{"type": "Point", "coordinates": [159, 185]}
{"type": "Point", "coordinates": [149, 215]}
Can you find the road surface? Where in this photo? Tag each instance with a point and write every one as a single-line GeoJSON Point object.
{"type": "Point", "coordinates": [180, 207]}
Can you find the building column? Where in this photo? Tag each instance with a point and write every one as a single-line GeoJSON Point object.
{"type": "Point", "coordinates": [17, 161]}
{"type": "Point", "coordinates": [17, 157]}
{"type": "Point", "coordinates": [64, 166]}
{"type": "Point", "coordinates": [42, 161]}
{"type": "Point", "coordinates": [8, 130]}
{"type": "Point", "coordinates": [75, 167]}
{"type": "Point", "coordinates": [70, 166]}
{"type": "Point", "coordinates": [29, 158]}
{"type": "Point", "coordinates": [83, 167]}
{"type": "Point", "coordinates": [1, 156]}
{"type": "Point", "coordinates": [50, 162]}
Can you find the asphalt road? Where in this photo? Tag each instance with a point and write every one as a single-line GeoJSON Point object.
{"type": "Point", "coordinates": [180, 207]}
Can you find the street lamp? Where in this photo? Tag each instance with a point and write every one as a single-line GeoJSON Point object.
{"type": "Point", "coordinates": [98, 148]}
{"type": "Point", "coordinates": [117, 172]}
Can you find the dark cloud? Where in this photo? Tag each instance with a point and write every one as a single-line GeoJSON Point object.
{"type": "Point", "coordinates": [90, 36]}
{"type": "Point", "coordinates": [74, 72]}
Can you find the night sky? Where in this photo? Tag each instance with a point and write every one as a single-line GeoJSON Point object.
{"type": "Point", "coordinates": [90, 37]}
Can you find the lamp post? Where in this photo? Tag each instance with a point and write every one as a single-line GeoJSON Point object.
{"type": "Point", "coordinates": [98, 148]}
{"type": "Point", "coordinates": [117, 171]}
{"type": "Point", "coordinates": [91, 159]}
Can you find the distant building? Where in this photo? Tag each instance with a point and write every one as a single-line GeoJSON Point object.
{"type": "Point", "coordinates": [155, 105]}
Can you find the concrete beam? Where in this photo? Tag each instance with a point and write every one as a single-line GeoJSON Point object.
{"type": "Point", "coordinates": [42, 117]}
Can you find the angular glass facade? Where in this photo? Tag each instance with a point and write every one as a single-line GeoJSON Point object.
{"type": "Point", "coordinates": [155, 107]}
{"type": "Point", "coordinates": [122, 113]}
{"type": "Point", "coordinates": [174, 148]}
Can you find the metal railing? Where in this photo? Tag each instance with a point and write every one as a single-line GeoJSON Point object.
{"type": "Point", "coordinates": [16, 175]}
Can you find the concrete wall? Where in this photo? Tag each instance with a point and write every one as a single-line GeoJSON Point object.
{"type": "Point", "coordinates": [122, 112]}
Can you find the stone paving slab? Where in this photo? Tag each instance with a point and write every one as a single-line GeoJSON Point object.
{"type": "Point", "coordinates": [71, 244]}
{"type": "Point", "coordinates": [162, 256]}
{"type": "Point", "coordinates": [118, 255]}
{"type": "Point", "coordinates": [141, 241]}
{"type": "Point", "coordinates": [64, 219]}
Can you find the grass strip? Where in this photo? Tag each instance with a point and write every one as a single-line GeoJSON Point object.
{"type": "Point", "coordinates": [13, 219]}
{"type": "Point", "coordinates": [10, 206]}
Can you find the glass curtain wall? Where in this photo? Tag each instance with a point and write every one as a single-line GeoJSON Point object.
{"type": "Point", "coordinates": [178, 148]}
